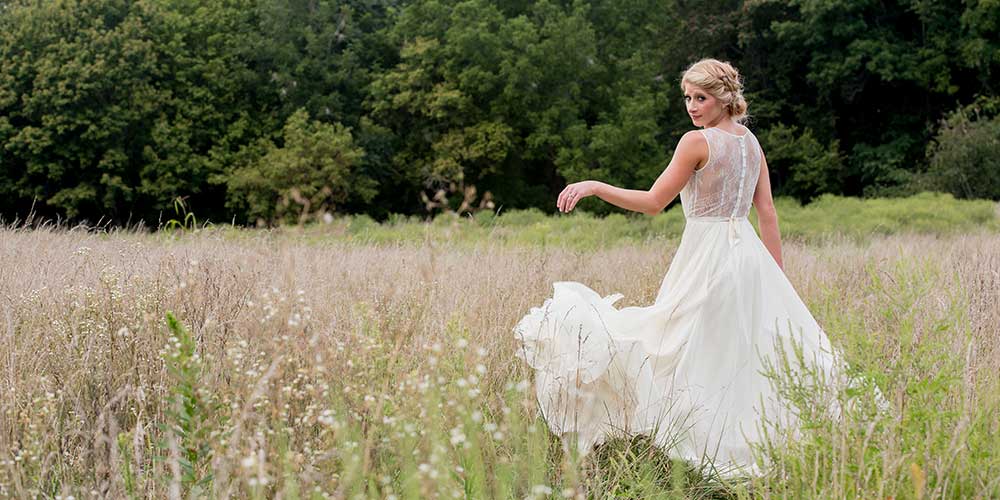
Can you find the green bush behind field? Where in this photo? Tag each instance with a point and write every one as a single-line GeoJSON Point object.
{"type": "Point", "coordinates": [828, 216]}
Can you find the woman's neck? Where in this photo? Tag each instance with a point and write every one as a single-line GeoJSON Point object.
{"type": "Point", "coordinates": [725, 123]}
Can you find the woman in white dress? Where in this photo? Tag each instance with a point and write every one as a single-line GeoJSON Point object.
{"type": "Point", "coordinates": [687, 369]}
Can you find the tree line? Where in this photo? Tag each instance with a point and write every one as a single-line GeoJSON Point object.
{"type": "Point", "coordinates": [262, 110]}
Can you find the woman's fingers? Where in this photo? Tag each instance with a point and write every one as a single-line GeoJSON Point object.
{"type": "Point", "coordinates": [564, 197]}
{"type": "Point", "coordinates": [568, 198]}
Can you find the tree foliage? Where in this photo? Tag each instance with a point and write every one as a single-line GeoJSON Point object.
{"type": "Point", "coordinates": [965, 153]}
{"type": "Point", "coordinates": [115, 108]}
{"type": "Point", "coordinates": [313, 171]}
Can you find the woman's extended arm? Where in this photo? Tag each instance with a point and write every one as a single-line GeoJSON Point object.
{"type": "Point", "coordinates": [637, 200]}
{"type": "Point", "coordinates": [767, 216]}
{"type": "Point", "coordinates": [692, 150]}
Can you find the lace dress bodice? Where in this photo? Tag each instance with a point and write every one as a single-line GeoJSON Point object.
{"type": "Point", "coordinates": [724, 187]}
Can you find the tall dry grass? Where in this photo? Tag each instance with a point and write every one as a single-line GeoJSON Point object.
{"type": "Point", "coordinates": [311, 368]}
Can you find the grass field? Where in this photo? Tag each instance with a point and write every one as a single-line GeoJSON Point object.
{"type": "Point", "coordinates": [307, 363]}
{"type": "Point", "coordinates": [826, 217]}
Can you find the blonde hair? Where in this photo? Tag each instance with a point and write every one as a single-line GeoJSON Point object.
{"type": "Point", "coordinates": [722, 81]}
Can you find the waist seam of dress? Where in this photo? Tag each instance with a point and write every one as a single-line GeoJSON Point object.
{"type": "Point", "coordinates": [733, 221]}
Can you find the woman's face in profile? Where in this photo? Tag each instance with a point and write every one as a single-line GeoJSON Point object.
{"type": "Point", "coordinates": [701, 106]}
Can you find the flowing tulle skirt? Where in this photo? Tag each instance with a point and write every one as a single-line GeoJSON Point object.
{"type": "Point", "coordinates": [688, 369]}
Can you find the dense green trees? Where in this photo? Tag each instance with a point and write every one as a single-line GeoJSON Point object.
{"type": "Point", "coordinates": [873, 75]}
{"type": "Point", "coordinates": [114, 108]}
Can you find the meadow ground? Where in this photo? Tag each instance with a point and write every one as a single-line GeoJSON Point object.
{"type": "Point", "coordinates": [307, 363]}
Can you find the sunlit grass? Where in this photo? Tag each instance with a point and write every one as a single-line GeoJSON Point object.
{"type": "Point", "coordinates": [826, 217]}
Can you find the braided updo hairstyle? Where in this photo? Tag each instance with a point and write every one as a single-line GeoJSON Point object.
{"type": "Point", "coordinates": [722, 81]}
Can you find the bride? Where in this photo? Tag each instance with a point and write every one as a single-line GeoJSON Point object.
{"type": "Point", "coordinates": [687, 369]}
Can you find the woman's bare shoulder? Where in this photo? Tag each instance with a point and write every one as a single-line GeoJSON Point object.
{"type": "Point", "coordinates": [693, 138]}
{"type": "Point", "coordinates": [693, 147]}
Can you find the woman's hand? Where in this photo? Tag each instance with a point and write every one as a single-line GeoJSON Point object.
{"type": "Point", "coordinates": [575, 192]}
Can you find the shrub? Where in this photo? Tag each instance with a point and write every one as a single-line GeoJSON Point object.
{"type": "Point", "coordinates": [315, 170]}
{"type": "Point", "coordinates": [964, 157]}
{"type": "Point", "coordinates": [801, 166]}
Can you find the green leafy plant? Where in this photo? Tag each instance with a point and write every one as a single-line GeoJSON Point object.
{"type": "Point", "coordinates": [187, 222]}
{"type": "Point", "coordinates": [189, 413]}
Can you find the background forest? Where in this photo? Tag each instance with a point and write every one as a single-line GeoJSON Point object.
{"type": "Point", "coordinates": [255, 110]}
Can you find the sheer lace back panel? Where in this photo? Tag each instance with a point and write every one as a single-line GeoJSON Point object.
{"type": "Point", "coordinates": [725, 186]}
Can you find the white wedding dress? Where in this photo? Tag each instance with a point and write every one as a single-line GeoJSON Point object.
{"type": "Point", "coordinates": [685, 370]}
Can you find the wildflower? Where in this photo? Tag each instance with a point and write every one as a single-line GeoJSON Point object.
{"type": "Point", "coordinates": [326, 418]}
{"type": "Point", "coordinates": [457, 436]}
{"type": "Point", "coordinates": [541, 489]}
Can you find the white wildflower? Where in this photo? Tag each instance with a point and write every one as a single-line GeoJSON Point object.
{"type": "Point", "coordinates": [457, 436]}
{"type": "Point", "coordinates": [541, 489]}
